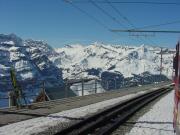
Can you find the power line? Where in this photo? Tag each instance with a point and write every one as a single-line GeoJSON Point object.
{"type": "Point", "coordinates": [131, 2]}
{"type": "Point", "coordinates": [124, 17]}
{"type": "Point", "coordinates": [150, 31]}
{"type": "Point", "coordinates": [119, 13]}
{"type": "Point", "coordinates": [89, 15]}
{"type": "Point", "coordinates": [92, 17]}
{"type": "Point", "coordinates": [106, 13]}
{"type": "Point", "coordinates": [86, 13]}
{"type": "Point", "coordinates": [158, 25]}
{"type": "Point", "coordinates": [113, 18]}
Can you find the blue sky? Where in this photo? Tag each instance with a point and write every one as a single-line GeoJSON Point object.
{"type": "Point", "coordinates": [59, 23]}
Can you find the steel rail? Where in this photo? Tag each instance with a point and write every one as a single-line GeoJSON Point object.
{"type": "Point", "coordinates": [104, 122]}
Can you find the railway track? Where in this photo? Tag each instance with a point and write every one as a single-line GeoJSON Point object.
{"type": "Point", "coordinates": [105, 122]}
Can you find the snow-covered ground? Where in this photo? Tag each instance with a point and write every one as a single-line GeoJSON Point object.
{"type": "Point", "coordinates": [157, 121]}
{"type": "Point", "coordinates": [53, 122]}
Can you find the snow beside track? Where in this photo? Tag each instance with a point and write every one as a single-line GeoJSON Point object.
{"type": "Point", "coordinates": [157, 121]}
{"type": "Point", "coordinates": [54, 122]}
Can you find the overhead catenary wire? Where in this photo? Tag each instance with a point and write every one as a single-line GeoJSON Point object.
{"type": "Point", "coordinates": [158, 25]}
{"type": "Point", "coordinates": [103, 11]}
{"type": "Point", "coordinates": [119, 13]}
{"type": "Point", "coordinates": [89, 15]}
{"type": "Point", "coordinates": [124, 17]}
{"type": "Point", "coordinates": [130, 2]}
{"type": "Point", "coordinates": [106, 13]}
{"type": "Point", "coordinates": [86, 13]}
{"type": "Point", "coordinates": [150, 31]}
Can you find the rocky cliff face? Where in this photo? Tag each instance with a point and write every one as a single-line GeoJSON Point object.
{"type": "Point", "coordinates": [30, 60]}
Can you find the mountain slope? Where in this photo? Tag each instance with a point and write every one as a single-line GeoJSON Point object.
{"type": "Point", "coordinates": [36, 63]}
{"type": "Point", "coordinates": [30, 60]}
{"type": "Point", "coordinates": [125, 59]}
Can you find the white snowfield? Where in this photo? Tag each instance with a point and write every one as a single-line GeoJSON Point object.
{"type": "Point", "coordinates": [54, 122]}
{"type": "Point", "coordinates": [157, 121]}
{"type": "Point", "coordinates": [8, 42]}
{"type": "Point", "coordinates": [137, 59]}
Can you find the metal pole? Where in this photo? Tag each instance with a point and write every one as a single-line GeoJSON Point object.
{"type": "Point", "coordinates": [123, 82]}
{"type": "Point", "coordinates": [161, 63]}
{"type": "Point", "coordinates": [107, 84]}
{"type": "Point", "coordinates": [82, 87]}
{"type": "Point", "coordinates": [144, 67]}
{"type": "Point", "coordinates": [115, 83]}
{"type": "Point", "coordinates": [95, 86]}
{"type": "Point", "coordinates": [44, 95]}
{"type": "Point", "coordinates": [66, 86]}
{"type": "Point", "coordinates": [12, 101]}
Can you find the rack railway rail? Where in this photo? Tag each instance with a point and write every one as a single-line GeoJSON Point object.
{"type": "Point", "coordinates": [105, 122]}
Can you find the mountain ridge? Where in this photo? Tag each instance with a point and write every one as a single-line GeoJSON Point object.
{"type": "Point", "coordinates": [36, 62]}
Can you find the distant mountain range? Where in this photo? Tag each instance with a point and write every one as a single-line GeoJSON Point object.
{"type": "Point", "coordinates": [128, 60]}
{"type": "Point", "coordinates": [36, 62]}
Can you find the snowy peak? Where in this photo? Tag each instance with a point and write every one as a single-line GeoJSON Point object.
{"type": "Point", "coordinates": [11, 39]}
{"type": "Point", "coordinates": [125, 59]}
{"type": "Point", "coordinates": [30, 60]}
{"type": "Point", "coordinates": [41, 45]}
{"type": "Point", "coordinates": [36, 59]}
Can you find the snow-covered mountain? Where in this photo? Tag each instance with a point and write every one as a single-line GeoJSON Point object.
{"type": "Point", "coordinates": [30, 60]}
{"type": "Point", "coordinates": [36, 62]}
{"type": "Point", "coordinates": [77, 60]}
